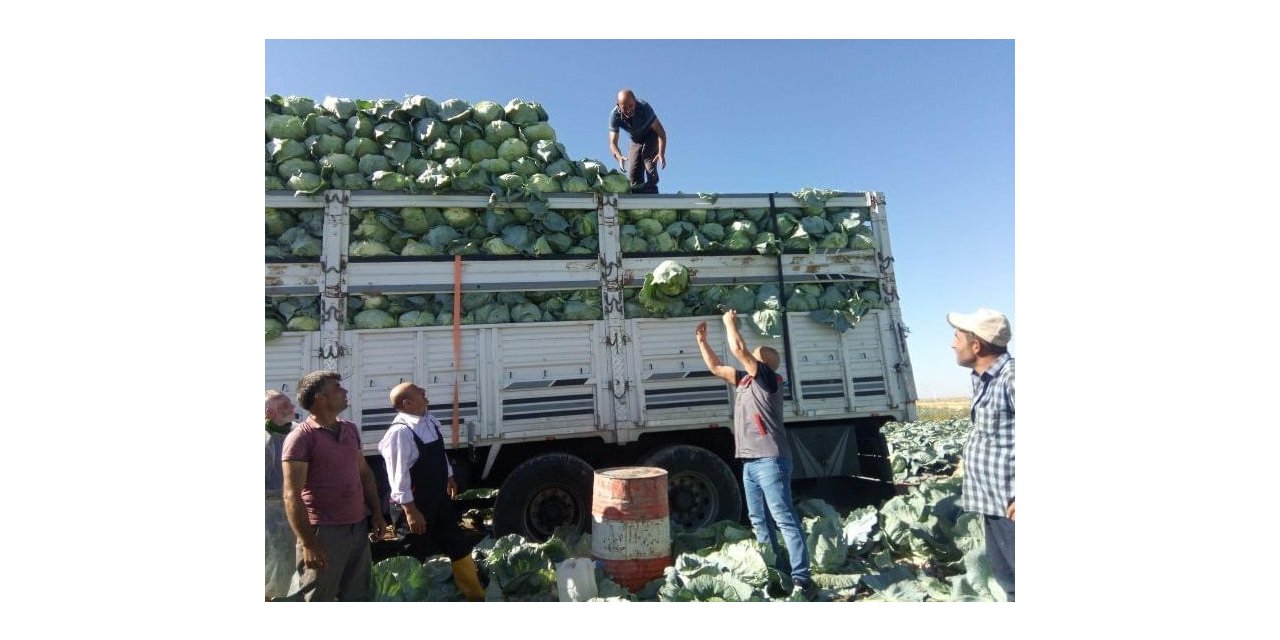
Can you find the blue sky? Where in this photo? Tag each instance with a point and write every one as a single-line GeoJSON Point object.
{"type": "Point", "coordinates": [928, 122]}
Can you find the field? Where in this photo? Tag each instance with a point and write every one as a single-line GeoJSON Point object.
{"type": "Point", "coordinates": [943, 408]}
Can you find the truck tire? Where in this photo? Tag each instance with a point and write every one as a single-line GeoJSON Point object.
{"type": "Point", "coordinates": [701, 488]}
{"type": "Point", "coordinates": [545, 492]}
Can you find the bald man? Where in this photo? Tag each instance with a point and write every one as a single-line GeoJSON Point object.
{"type": "Point", "coordinates": [760, 441]}
{"type": "Point", "coordinates": [648, 141]}
{"type": "Point", "coordinates": [422, 485]}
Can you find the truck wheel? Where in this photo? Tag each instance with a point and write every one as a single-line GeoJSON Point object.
{"type": "Point", "coordinates": [545, 492]}
{"type": "Point", "coordinates": [701, 488]}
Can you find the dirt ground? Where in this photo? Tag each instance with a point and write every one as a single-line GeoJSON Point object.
{"type": "Point", "coordinates": [943, 408]}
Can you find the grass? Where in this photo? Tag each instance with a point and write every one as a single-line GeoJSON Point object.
{"type": "Point", "coordinates": [943, 408]}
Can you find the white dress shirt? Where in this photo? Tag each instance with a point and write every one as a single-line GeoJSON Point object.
{"type": "Point", "coordinates": [400, 451]}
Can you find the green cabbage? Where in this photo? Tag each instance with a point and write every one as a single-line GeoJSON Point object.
{"type": "Point", "coordinates": [460, 218]}
{"type": "Point", "coordinates": [455, 111]}
{"type": "Point", "coordinates": [485, 112]}
{"type": "Point", "coordinates": [374, 319]}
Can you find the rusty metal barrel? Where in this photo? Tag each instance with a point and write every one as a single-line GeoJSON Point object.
{"type": "Point", "coordinates": [631, 524]}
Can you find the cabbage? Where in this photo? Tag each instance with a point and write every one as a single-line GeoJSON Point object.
{"type": "Point", "coordinates": [274, 184]}
{"type": "Point", "coordinates": [558, 242]}
{"type": "Point", "coordinates": [553, 221]}
{"type": "Point", "coordinates": [459, 218]}
{"type": "Point", "coordinates": [512, 149]}
{"type": "Point", "coordinates": [293, 166]}
{"type": "Point", "coordinates": [543, 183]}
{"type": "Point", "coordinates": [696, 243]}
{"type": "Point", "coordinates": [281, 150]}
{"type": "Point", "coordinates": [418, 220]}
{"type": "Point", "coordinates": [495, 166]}
{"type": "Point", "coordinates": [455, 111]}
{"type": "Point", "coordinates": [385, 132]}
{"type": "Point", "coordinates": [739, 240]}
{"type": "Point", "coordinates": [465, 133]}
{"type": "Point", "coordinates": [633, 244]}
{"type": "Point", "coordinates": [576, 184]}
{"type": "Point", "coordinates": [278, 221]}
{"type": "Point", "coordinates": [712, 230]}
{"type": "Point", "coordinates": [546, 150]}
{"type": "Point", "coordinates": [398, 152]}
{"type": "Point", "coordinates": [665, 216]}
{"type": "Point", "coordinates": [359, 125]}
{"type": "Point", "coordinates": [538, 131]}
{"type": "Point", "coordinates": [305, 182]}
{"type": "Point", "coordinates": [662, 243]}
{"type": "Point", "coordinates": [303, 322]}
{"type": "Point", "coordinates": [370, 249]}
{"type": "Point", "coordinates": [518, 236]}
{"type": "Point", "coordinates": [415, 248]}
{"type": "Point", "coordinates": [680, 229]}
{"type": "Point", "coordinates": [442, 150]}
{"type": "Point", "coordinates": [580, 310]}
{"type": "Point", "coordinates": [586, 224]}
{"type": "Point", "coordinates": [510, 181]}
{"type": "Point", "coordinates": [429, 130]}
{"type": "Point", "coordinates": [416, 318]}
{"type": "Point", "coordinates": [648, 227]}
{"type": "Point", "coordinates": [374, 319]}
{"type": "Point", "coordinates": [339, 107]}
{"type": "Point", "coordinates": [499, 131]}
{"type": "Point", "coordinates": [420, 106]}
{"type": "Point", "coordinates": [526, 312]}
{"type": "Point", "coordinates": [766, 243]}
{"type": "Point", "coordinates": [590, 169]}
{"type": "Point", "coordinates": [663, 286]}
{"type": "Point", "coordinates": [617, 183]}
{"type": "Point", "coordinates": [274, 328]}
{"type": "Point", "coordinates": [768, 297]}
{"type": "Point", "coordinates": [285, 127]}
{"type": "Point", "coordinates": [341, 163]}
{"type": "Point", "coordinates": [861, 238]}
{"type": "Point", "coordinates": [495, 246]}
{"type": "Point", "coordinates": [372, 164]}
{"type": "Point", "coordinates": [768, 322]}
{"type": "Point", "coordinates": [355, 182]}
{"type": "Point", "coordinates": [740, 298]}
{"type": "Point", "coordinates": [559, 169]}
{"type": "Point", "coordinates": [835, 240]}
{"type": "Point", "coordinates": [359, 147]}
{"type": "Point", "coordinates": [521, 113]}
{"type": "Point", "coordinates": [492, 313]}
{"type": "Point", "coordinates": [524, 167]}
{"type": "Point", "coordinates": [844, 219]}
{"type": "Point", "coordinates": [696, 216]}
{"type": "Point", "coordinates": [485, 112]}
{"type": "Point", "coordinates": [390, 181]}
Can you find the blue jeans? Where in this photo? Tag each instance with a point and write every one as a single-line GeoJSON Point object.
{"type": "Point", "coordinates": [767, 485]}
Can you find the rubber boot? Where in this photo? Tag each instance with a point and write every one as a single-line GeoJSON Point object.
{"type": "Point", "coordinates": [467, 580]}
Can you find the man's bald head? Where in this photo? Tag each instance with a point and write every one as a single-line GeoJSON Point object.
{"type": "Point", "coordinates": [398, 393]}
{"type": "Point", "coordinates": [626, 102]}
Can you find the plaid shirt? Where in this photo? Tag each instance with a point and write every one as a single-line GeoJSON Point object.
{"type": "Point", "coordinates": [988, 453]}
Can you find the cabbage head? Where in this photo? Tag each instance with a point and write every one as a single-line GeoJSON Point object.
{"type": "Point", "coordinates": [521, 113]}
{"type": "Point", "coordinates": [485, 112]}
{"type": "Point", "coordinates": [525, 167]}
{"type": "Point", "coordinates": [374, 319]}
{"type": "Point", "coordinates": [648, 227]}
{"type": "Point", "coordinates": [455, 111]}
{"type": "Point", "coordinates": [341, 163]}
{"type": "Point", "coordinates": [495, 166]}
{"type": "Point", "coordinates": [278, 221]}
{"type": "Point", "coordinates": [576, 184]}
{"type": "Point", "coordinates": [303, 322]}
{"type": "Point", "coordinates": [428, 130]}
{"type": "Point", "coordinates": [512, 149]}
{"type": "Point", "coordinates": [543, 183]}
{"type": "Point", "coordinates": [370, 249]}
{"type": "Point", "coordinates": [662, 243]}
{"type": "Point", "coordinates": [526, 312]}
{"type": "Point", "coordinates": [713, 231]}
{"type": "Point", "coordinates": [415, 248]}
{"type": "Point", "coordinates": [768, 322]}
{"type": "Point", "coordinates": [496, 246]}
{"type": "Point", "coordinates": [617, 183]}
{"type": "Point", "coordinates": [499, 131]}
{"type": "Point", "coordinates": [358, 147]}
{"type": "Point", "coordinates": [459, 217]}
{"type": "Point", "coordinates": [538, 131]}
{"type": "Point", "coordinates": [274, 328]}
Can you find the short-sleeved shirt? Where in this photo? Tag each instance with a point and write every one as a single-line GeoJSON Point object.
{"type": "Point", "coordinates": [333, 493]}
{"type": "Point", "coordinates": [988, 453]}
{"type": "Point", "coordinates": [639, 125]}
{"type": "Point", "coordinates": [758, 431]}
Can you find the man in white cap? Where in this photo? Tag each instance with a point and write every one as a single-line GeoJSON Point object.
{"type": "Point", "coordinates": [981, 342]}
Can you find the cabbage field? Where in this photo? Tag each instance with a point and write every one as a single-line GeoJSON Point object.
{"type": "Point", "coordinates": [917, 547]}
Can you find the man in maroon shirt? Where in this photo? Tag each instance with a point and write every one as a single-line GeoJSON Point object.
{"type": "Point", "coordinates": [327, 489]}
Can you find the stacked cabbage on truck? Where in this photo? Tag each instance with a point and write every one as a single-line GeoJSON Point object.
{"type": "Point", "coordinates": [460, 247]}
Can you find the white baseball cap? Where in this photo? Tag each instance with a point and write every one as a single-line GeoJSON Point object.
{"type": "Point", "coordinates": [988, 324]}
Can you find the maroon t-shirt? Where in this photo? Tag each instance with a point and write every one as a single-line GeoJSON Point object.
{"type": "Point", "coordinates": [333, 493]}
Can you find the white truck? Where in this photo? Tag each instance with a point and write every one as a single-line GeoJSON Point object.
{"type": "Point", "coordinates": [533, 408]}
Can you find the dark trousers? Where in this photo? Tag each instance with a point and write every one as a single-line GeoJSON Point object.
{"type": "Point", "coordinates": [642, 171]}
{"type": "Point", "coordinates": [1000, 550]}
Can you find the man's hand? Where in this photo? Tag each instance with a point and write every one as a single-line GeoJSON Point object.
{"type": "Point", "coordinates": [661, 159]}
{"type": "Point", "coordinates": [730, 318]}
{"type": "Point", "coordinates": [1010, 511]}
{"type": "Point", "coordinates": [417, 524]}
{"type": "Point", "coordinates": [313, 557]}
{"type": "Point", "coordinates": [452, 488]}
{"type": "Point", "coordinates": [701, 333]}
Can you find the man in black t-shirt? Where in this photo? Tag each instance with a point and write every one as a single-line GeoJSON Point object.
{"type": "Point", "coordinates": [648, 148]}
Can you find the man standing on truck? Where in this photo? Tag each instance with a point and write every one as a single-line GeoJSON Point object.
{"type": "Point", "coordinates": [327, 489]}
{"type": "Point", "coordinates": [648, 141]}
{"type": "Point", "coordinates": [760, 440]}
{"type": "Point", "coordinates": [980, 343]}
{"type": "Point", "coordinates": [422, 484]}
{"type": "Point", "coordinates": [280, 540]}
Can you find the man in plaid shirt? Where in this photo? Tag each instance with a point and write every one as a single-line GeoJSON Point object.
{"type": "Point", "coordinates": [980, 344]}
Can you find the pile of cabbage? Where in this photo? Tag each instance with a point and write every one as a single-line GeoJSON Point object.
{"type": "Point", "coordinates": [761, 304]}
{"type": "Point", "coordinates": [378, 311]}
{"type": "Point", "coordinates": [536, 232]}
{"type": "Point", "coordinates": [419, 145]}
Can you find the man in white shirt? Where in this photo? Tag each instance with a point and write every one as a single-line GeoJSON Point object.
{"type": "Point", "coordinates": [422, 484]}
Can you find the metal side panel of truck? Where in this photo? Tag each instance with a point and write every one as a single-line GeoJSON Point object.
{"type": "Point", "coordinates": [542, 404]}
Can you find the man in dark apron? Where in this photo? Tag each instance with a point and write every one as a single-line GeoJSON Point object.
{"type": "Point", "coordinates": [422, 484]}
{"type": "Point", "coordinates": [648, 148]}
